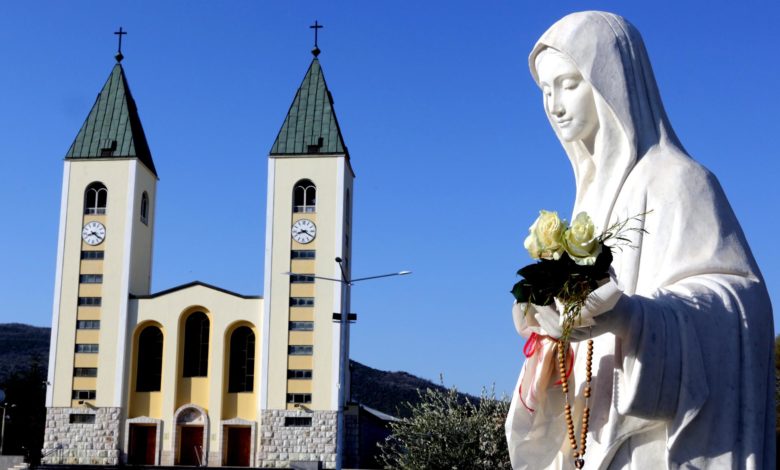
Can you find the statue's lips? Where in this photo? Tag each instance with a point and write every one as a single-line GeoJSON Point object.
{"type": "Point", "coordinates": [563, 123]}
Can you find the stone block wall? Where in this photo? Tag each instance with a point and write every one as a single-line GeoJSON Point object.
{"type": "Point", "coordinates": [82, 443]}
{"type": "Point", "coordinates": [7, 462]}
{"type": "Point", "coordinates": [282, 446]}
{"type": "Point", "coordinates": [351, 453]}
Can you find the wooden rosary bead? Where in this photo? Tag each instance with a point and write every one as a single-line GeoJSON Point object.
{"type": "Point", "coordinates": [578, 451]}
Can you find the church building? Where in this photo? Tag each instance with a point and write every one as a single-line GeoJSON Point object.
{"type": "Point", "coordinates": [197, 374]}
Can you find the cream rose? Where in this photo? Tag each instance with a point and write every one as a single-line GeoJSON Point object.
{"type": "Point", "coordinates": [545, 240]}
{"type": "Point", "coordinates": [580, 242]}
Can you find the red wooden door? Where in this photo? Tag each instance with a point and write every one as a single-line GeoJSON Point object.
{"type": "Point", "coordinates": [151, 445]}
{"type": "Point", "coordinates": [191, 446]}
{"type": "Point", "coordinates": [238, 446]}
{"type": "Point", "coordinates": [143, 440]}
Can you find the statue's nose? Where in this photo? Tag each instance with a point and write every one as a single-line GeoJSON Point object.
{"type": "Point", "coordinates": [556, 108]}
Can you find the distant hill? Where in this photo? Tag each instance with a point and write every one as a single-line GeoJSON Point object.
{"type": "Point", "coordinates": [389, 392]}
{"type": "Point", "coordinates": [22, 345]}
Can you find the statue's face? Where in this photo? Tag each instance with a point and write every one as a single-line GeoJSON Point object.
{"type": "Point", "coordinates": [568, 98]}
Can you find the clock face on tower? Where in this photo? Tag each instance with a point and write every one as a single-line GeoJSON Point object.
{"type": "Point", "coordinates": [304, 231]}
{"type": "Point", "coordinates": [93, 233]}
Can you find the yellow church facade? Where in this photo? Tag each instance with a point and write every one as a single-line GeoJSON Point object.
{"type": "Point", "coordinates": [197, 374]}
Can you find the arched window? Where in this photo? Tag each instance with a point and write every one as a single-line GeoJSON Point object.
{"type": "Point", "coordinates": [304, 196]}
{"type": "Point", "coordinates": [95, 198]}
{"type": "Point", "coordinates": [242, 360]}
{"type": "Point", "coordinates": [145, 208]}
{"type": "Point", "coordinates": [196, 345]}
{"type": "Point", "coordinates": [149, 363]}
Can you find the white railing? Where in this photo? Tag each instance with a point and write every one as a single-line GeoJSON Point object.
{"type": "Point", "coordinates": [199, 455]}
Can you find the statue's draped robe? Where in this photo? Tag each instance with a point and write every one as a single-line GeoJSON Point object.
{"type": "Point", "coordinates": [691, 384]}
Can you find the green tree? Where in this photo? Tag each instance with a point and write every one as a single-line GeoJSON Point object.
{"type": "Point", "coordinates": [445, 432]}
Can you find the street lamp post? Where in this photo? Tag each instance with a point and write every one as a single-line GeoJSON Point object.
{"type": "Point", "coordinates": [4, 407]}
{"type": "Point", "coordinates": [344, 320]}
{"type": "Point", "coordinates": [343, 362]}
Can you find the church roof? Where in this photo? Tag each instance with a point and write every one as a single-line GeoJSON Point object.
{"type": "Point", "coordinates": [112, 128]}
{"type": "Point", "coordinates": [194, 284]}
{"type": "Point", "coordinates": [310, 126]}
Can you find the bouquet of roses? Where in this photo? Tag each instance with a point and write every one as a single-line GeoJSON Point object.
{"type": "Point", "coordinates": [573, 262]}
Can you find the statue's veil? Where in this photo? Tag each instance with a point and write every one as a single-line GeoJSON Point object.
{"type": "Point", "coordinates": [611, 56]}
{"type": "Point", "coordinates": [698, 354]}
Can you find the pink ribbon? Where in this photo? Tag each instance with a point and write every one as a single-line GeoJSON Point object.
{"type": "Point", "coordinates": [533, 345]}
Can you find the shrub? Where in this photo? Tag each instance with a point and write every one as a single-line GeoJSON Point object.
{"type": "Point", "coordinates": [445, 432]}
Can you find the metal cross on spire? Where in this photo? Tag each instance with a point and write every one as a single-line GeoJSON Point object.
{"type": "Point", "coordinates": [316, 26]}
{"type": "Point", "coordinates": [119, 55]}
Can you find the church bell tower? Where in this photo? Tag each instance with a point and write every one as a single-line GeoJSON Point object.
{"type": "Point", "coordinates": [308, 226]}
{"type": "Point", "coordinates": [104, 255]}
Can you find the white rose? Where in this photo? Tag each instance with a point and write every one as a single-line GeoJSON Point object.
{"type": "Point", "coordinates": [545, 240]}
{"type": "Point", "coordinates": [580, 241]}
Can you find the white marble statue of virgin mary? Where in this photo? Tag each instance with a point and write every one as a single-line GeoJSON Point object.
{"type": "Point", "coordinates": [683, 331]}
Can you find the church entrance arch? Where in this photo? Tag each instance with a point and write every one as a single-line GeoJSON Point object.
{"type": "Point", "coordinates": [191, 441]}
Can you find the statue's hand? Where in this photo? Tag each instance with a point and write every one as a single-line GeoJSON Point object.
{"type": "Point", "coordinates": [601, 300]}
{"type": "Point", "coordinates": [525, 316]}
{"type": "Point", "coordinates": [522, 315]}
{"type": "Point", "coordinates": [602, 313]}
{"type": "Point", "coordinates": [549, 320]}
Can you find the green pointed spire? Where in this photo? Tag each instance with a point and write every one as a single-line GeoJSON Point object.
{"type": "Point", "coordinates": [112, 128]}
{"type": "Point", "coordinates": [310, 126]}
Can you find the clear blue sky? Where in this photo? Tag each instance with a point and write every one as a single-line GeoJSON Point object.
{"type": "Point", "coordinates": [452, 151]}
